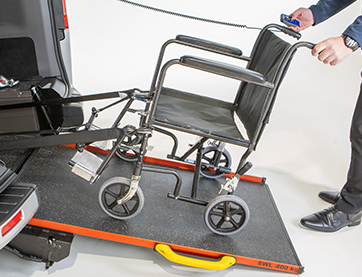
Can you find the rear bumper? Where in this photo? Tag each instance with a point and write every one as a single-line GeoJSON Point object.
{"type": "Point", "coordinates": [18, 203]}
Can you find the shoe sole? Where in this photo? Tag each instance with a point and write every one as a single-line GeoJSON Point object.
{"type": "Point", "coordinates": [331, 230]}
{"type": "Point", "coordinates": [355, 223]}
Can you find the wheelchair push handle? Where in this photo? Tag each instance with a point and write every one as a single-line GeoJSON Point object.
{"type": "Point", "coordinates": [285, 30]}
{"type": "Point", "coordinates": [290, 32]}
{"type": "Point", "coordinates": [306, 44]}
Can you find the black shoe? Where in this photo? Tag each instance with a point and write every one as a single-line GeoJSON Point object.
{"type": "Point", "coordinates": [330, 196]}
{"type": "Point", "coordinates": [331, 220]}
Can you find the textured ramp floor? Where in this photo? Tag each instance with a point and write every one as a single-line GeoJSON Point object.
{"type": "Point", "coordinates": [68, 199]}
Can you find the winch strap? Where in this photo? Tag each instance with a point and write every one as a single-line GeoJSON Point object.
{"type": "Point", "coordinates": [70, 138]}
{"type": "Point", "coordinates": [75, 99]}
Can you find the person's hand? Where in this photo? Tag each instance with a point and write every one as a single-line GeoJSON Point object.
{"type": "Point", "coordinates": [332, 51]}
{"type": "Point", "coordinates": [305, 18]}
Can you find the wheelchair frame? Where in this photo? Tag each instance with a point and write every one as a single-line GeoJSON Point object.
{"type": "Point", "coordinates": [228, 209]}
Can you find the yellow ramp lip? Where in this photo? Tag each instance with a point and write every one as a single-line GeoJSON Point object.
{"type": "Point", "coordinates": [167, 252]}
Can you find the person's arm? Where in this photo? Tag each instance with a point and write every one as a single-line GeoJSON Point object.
{"type": "Point", "coordinates": [318, 13]}
{"type": "Point", "coordinates": [333, 50]}
{"type": "Point", "coordinates": [355, 30]}
{"type": "Point", "coordinates": [325, 9]}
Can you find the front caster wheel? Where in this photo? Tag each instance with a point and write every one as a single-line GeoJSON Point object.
{"type": "Point", "coordinates": [226, 215]}
{"type": "Point", "coordinates": [114, 189]}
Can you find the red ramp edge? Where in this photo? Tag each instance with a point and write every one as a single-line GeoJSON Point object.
{"type": "Point", "coordinates": [176, 248]}
{"type": "Point", "coordinates": [173, 163]}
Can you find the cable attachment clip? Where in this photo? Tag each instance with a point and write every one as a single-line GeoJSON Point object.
{"type": "Point", "coordinates": [5, 82]}
{"type": "Point", "coordinates": [230, 185]}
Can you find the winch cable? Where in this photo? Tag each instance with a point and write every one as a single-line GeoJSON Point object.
{"type": "Point", "coordinates": [189, 16]}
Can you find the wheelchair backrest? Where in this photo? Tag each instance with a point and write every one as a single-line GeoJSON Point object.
{"type": "Point", "coordinates": [253, 103]}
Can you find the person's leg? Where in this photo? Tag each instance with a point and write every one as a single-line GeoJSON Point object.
{"type": "Point", "coordinates": [351, 194]}
{"type": "Point", "coordinates": [348, 209]}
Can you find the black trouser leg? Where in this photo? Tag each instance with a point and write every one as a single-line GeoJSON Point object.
{"type": "Point", "coordinates": [351, 193]}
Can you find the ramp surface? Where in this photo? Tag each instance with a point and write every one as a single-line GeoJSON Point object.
{"type": "Point", "coordinates": [69, 203]}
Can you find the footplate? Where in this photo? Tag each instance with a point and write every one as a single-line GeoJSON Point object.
{"type": "Point", "coordinates": [85, 164]}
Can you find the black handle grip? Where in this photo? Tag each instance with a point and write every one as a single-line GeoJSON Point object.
{"type": "Point", "coordinates": [290, 32]}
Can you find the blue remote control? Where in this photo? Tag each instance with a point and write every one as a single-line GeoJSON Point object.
{"type": "Point", "coordinates": [287, 20]}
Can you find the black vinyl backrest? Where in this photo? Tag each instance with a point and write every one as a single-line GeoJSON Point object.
{"type": "Point", "coordinates": [267, 56]}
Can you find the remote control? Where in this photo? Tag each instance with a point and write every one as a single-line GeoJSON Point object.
{"type": "Point", "coordinates": [287, 20]}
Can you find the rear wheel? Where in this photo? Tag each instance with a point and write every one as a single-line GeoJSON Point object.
{"type": "Point", "coordinates": [128, 153]}
{"type": "Point", "coordinates": [209, 168]}
{"type": "Point", "coordinates": [128, 150]}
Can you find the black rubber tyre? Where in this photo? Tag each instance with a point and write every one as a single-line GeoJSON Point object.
{"type": "Point", "coordinates": [128, 150]}
{"type": "Point", "coordinates": [128, 154]}
{"type": "Point", "coordinates": [208, 161]}
{"type": "Point", "coordinates": [132, 139]}
{"type": "Point", "coordinates": [114, 189]}
{"type": "Point", "coordinates": [226, 215]}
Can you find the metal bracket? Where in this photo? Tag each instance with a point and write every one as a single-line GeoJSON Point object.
{"type": "Point", "coordinates": [41, 245]}
{"type": "Point", "coordinates": [230, 185]}
{"type": "Point", "coordinates": [132, 190]}
{"type": "Point", "coordinates": [4, 82]}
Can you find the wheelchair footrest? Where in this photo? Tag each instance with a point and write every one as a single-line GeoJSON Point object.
{"type": "Point", "coordinates": [85, 164]}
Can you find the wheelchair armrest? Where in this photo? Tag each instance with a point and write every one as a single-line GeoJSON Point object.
{"type": "Point", "coordinates": [210, 45]}
{"type": "Point", "coordinates": [227, 70]}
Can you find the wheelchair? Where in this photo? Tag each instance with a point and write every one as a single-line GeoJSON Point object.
{"type": "Point", "coordinates": [215, 122]}
{"type": "Point", "coordinates": [212, 120]}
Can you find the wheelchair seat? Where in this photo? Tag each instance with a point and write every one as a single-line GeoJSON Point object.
{"type": "Point", "coordinates": [193, 112]}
